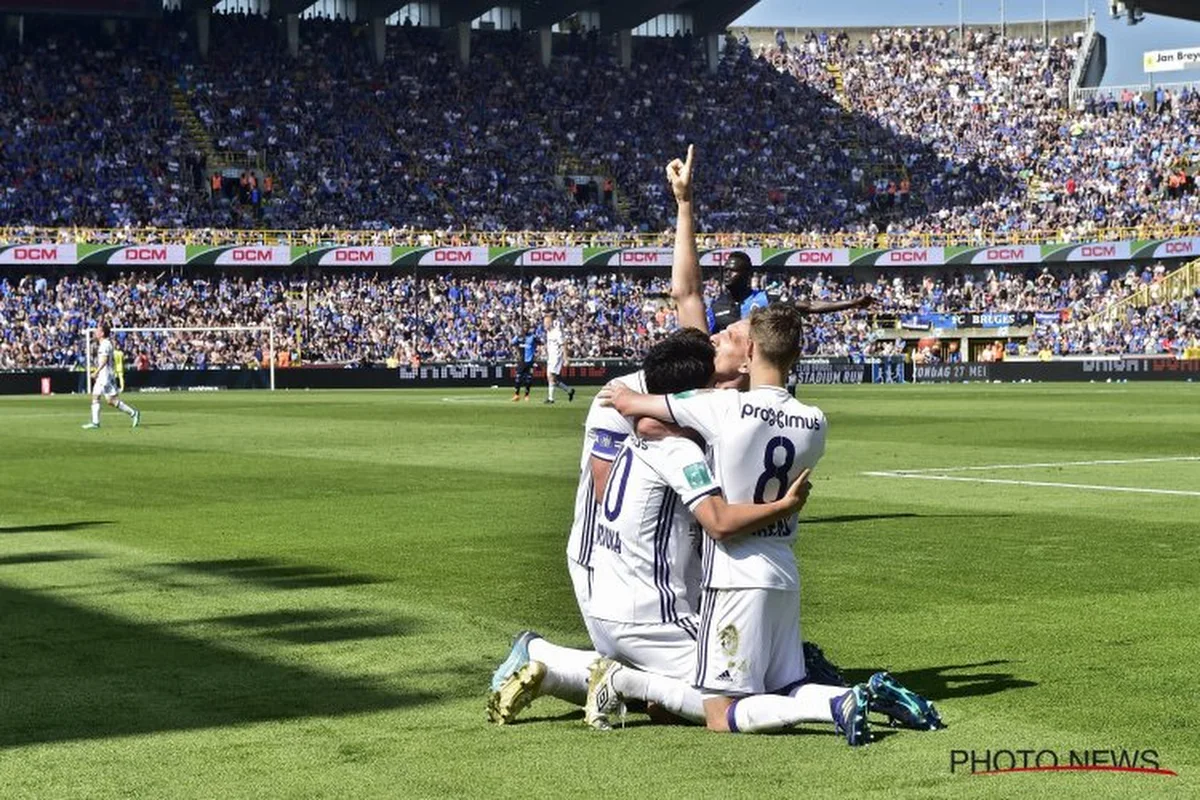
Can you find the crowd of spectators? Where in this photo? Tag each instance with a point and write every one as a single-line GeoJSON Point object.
{"type": "Point", "coordinates": [907, 131]}
{"type": "Point", "coordinates": [365, 318]}
{"type": "Point", "coordinates": [89, 136]}
{"type": "Point", "coordinates": [904, 132]}
{"type": "Point", "coordinates": [1112, 161]}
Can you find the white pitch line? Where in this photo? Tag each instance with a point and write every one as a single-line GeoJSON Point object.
{"type": "Point", "coordinates": [1093, 487]}
{"type": "Point", "coordinates": [986, 467]}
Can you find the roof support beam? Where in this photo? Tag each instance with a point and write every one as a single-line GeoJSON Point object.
{"type": "Point", "coordinates": [544, 13]}
{"type": "Point", "coordinates": [456, 11]}
{"type": "Point", "coordinates": [716, 17]}
{"type": "Point", "coordinates": [630, 15]}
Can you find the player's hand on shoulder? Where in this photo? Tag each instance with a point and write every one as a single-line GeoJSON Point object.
{"type": "Point", "coordinates": [797, 493]}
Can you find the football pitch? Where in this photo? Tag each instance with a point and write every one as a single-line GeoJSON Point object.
{"type": "Point", "coordinates": [304, 594]}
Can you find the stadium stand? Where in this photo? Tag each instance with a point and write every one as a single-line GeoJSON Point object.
{"type": "Point", "coordinates": [362, 318]}
{"type": "Point", "coordinates": [926, 135]}
{"type": "Point", "coordinates": [908, 138]}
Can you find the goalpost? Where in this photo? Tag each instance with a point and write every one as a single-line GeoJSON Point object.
{"type": "Point", "coordinates": [90, 335]}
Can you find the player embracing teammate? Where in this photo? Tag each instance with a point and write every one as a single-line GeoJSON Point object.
{"type": "Point", "coordinates": [733, 613]}
{"type": "Point", "coordinates": [750, 666]}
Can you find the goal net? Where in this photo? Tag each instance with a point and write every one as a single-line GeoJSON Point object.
{"type": "Point", "coordinates": [235, 347]}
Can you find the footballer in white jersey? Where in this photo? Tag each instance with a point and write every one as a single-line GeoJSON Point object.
{"type": "Point", "coordinates": [556, 359]}
{"type": "Point", "coordinates": [645, 536]}
{"type": "Point", "coordinates": [750, 615]}
{"type": "Point", "coordinates": [604, 432]}
{"type": "Point", "coordinates": [644, 539]}
{"type": "Point", "coordinates": [760, 440]}
{"type": "Point", "coordinates": [104, 384]}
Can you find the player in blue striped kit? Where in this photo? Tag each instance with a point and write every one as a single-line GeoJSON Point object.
{"type": "Point", "coordinates": [527, 347]}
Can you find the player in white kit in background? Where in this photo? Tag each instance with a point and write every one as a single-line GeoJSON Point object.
{"type": "Point", "coordinates": [104, 383]}
{"type": "Point", "coordinates": [556, 359]}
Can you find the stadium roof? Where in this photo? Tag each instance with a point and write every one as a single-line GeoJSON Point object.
{"type": "Point", "coordinates": [1184, 9]}
{"type": "Point", "coordinates": [708, 15]}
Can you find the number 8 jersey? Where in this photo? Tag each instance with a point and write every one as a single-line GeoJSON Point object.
{"type": "Point", "coordinates": [758, 442]}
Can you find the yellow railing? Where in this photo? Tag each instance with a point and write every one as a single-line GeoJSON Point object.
{"type": "Point", "coordinates": [213, 236]}
{"type": "Point", "coordinates": [1178, 285]}
{"type": "Point", "coordinates": [238, 160]}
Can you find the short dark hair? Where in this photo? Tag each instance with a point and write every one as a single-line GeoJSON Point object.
{"type": "Point", "coordinates": [739, 261]}
{"type": "Point", "coordinates": [104, 326]}
{"type": "Point", "coordinates": [682, 361]}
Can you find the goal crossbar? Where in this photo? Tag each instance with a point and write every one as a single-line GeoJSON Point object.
{"type": "Point", "coordinates": [89, 334]}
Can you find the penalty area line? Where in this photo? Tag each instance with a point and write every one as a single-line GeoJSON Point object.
{"type": "Point", "coordinates": [988, 467]}
{"type": "Point", "coordinates": [1048, 484]}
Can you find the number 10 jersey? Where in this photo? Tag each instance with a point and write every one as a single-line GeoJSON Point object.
{"type": "Point", "coordinates": [758, 442]}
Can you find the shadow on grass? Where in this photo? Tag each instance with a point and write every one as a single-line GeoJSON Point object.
{"type": "Point", "coordinates": [73, 673]}
{"type": "Point", "coordinates": [575, 715]}
{"type": "Point", "coordinates": [878, 732]}
{"type": "Point", "coordinates": [276, 619]}
{"type": "Point", "coordinates": [318, 626]}
{"type": "Point", "coordinates": [273, 574]}
{"type": "Point", "coordinates": [45, 558]}
{"type": "Point", "coordinates": [936, 683]}
{"type": "Point", "coordinates": [53, 527]}
{"type": "Point", "coordinates": [325, 634]}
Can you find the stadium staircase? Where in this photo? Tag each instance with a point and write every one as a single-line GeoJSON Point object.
{"type": "Point", "coordinates": [570, 163]}
{"type": "Point", "coordinates": [193, 127]}
{"type": "Point", "coordinates": [423, 174]}
{"type": "Point", "coordinates": [873, 169]}
{"type": "Point", "coordinates": [1178, 285]}
{"type": "Point", "coordinates": [198, 135]}
{"type": "Point", "coordinates": [839, 84]}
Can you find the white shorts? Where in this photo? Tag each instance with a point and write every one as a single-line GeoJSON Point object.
{"type": "Point", "coordinates": [664, 648]}
{"type": "Point", "coordinates": [554, 366]}
{"type": "Point", "coordinates": [749, 641]}
{"type": "Point", "coordinates": [581, 579]}
{"type": "Point", "coordinates": [104, 385]}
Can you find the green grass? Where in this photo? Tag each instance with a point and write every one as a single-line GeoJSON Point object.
{"type": "Point", "coordinates": [304, 594]}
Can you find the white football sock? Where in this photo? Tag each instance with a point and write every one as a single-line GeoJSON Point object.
{"type": "Point", "coordinates": [566, 670]}
{"type": "Point", "coordinates": [123, 406]}
{"type": "Point", "coordinates": [771, 712]}
{"type": "Point", "coordinates": [675, 696]}
{"type": "Point", "coordinates": [95, 412]}
{"type": "Point", "coordinates": [550, 392]}
{"type": "Point", "coordinates": [815, 698]}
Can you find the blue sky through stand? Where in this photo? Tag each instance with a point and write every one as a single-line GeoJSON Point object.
{"type": "Point", "coordinates": [1125, 44]}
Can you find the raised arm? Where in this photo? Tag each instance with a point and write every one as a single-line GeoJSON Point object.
{"type": "Point", "coordinates": [828, 307]}
{"type": "Point", "coordinates": [722, 520]}
{"type": "Point", "coordinates": [687, 284]}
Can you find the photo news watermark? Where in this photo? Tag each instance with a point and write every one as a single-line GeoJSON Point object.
{"type": "Point", "coordinates": [1005, 761]}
